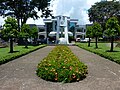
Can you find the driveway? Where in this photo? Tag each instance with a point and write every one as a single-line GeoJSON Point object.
{"type": "Point", "coordinates": [20, 73]}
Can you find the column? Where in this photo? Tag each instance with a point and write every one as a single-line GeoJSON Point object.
{"type": "Point", "coordinates": [83, 33]}
{"type": "Point", "coordinates": [46, 30]}
{"type": "Point", "coordinates": [75, 33]}
{"type": "Point", "coordinates": [66, 30]}
{"type": "Point", "coordinates": [58, 29]}
{"type": "Point", "coordinates": [53, 25]}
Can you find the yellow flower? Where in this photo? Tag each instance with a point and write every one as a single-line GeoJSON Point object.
{"type": "Point", "coordinates": [46, 68]}
{"type": "Point", "coordinates": [64, 67]}
{"type": "Point", "coordinates": [76, 70]}
{"type": "Point", "coordinates": [53, 70]}
{"type": "Point", "coordinates": [70, 67]}
{"type": "Point", "coordinates": [78, 79]}
{"type": "Point", "coordinates": [73, 74]}
{"type": "Point", "coordinates": [56, 79]}
{"type": "Point", "coordinates": [79, 72]}
{"type": "Point", "coordinates": [49, 64]}
{"type": "Point", "coordinates": [56, 73]}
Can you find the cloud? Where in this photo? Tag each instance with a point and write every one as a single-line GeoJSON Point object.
{"type": "Point", "coordinates": [73, 8]}
{"type": "Point", "coordinates": [1, 20]}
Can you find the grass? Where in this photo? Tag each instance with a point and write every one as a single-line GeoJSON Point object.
{"type": "Point", "coordinates": [61, 65]}
{"type": "Point", "coordinates": [103, 50]}
{"type": "Point", "coordinates": [19, 51]}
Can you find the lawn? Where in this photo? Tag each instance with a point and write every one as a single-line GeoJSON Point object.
{"type": "Point", "coordinates": [5, 56]}
{"type": "Point", "coordinates": [103, 50]}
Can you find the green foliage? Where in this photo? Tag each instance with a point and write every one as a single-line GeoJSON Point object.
{"type": "Point", "coordinates": [34, 32]}
{"type": "Point", "coordinates": [10, 28]}
{"type": "Point", "coordinates": [103, 51]}
{"type": "Point", "coordinates": [102, 11]}
{"type": "Point", "coordinates": [34, 35]}
{"type": "Point", "coordinates": [25, 31]}
{"type": "Point", "coordinates": [112, 27]}
{"type": "Point", "coordinates": [97, 29]}
{"type": "Point", "coordinates": [61, 65]}
{"type": "Point", "coordinates": [19, 51]}
{"type": "Point", "coordinates": [23, 9]}
{"type": "Point", "coordinates": [89, 32]}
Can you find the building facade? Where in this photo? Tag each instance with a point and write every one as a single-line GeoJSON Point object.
{"type": "Point", "coordinates": [60, 30]}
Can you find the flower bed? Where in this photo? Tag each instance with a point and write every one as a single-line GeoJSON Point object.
{"type": "Point", "coordinates": [61, 65]}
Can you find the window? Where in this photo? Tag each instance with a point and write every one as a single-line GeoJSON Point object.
{"type": "Point", "coordinates": [41, 30]}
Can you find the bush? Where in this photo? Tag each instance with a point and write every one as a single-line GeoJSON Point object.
{"type": "Point", "coordinates": [61, 65]}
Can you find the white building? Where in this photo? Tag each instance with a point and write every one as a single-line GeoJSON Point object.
{"type": "Point", "coordinates": [61, 30]}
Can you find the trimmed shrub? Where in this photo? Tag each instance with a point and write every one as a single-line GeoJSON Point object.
{"type": "Point", "coordinates": [61, 65]}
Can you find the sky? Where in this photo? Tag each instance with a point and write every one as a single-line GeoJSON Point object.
{"type": "Point", "coordinates": [76, 9]}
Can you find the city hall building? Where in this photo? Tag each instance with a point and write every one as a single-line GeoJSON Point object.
{"type": "Point", "coordinates": [60, 30]}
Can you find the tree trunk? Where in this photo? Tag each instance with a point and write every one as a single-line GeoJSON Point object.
{"type": "Point", "coordinates": [24, 20]}
{"type": "Point", "coordinates": [112, 42]}
{"type": "Point", "coordinates": [96, 42]}
{"type": "Point", "coordinates": [21, 22]}
{"type": "Point", "coordinates": [35, 40]}
{"type": "Point", "coordinates": [26, 43]}
{"type": "Point", "coordinates": [11, 45]}
{"type": "Point", "coordinates": [18, 24]}
{"type": "Point", "coordinates": [89, 42]}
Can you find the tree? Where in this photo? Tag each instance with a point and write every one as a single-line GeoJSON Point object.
{"type": "Point", "coordinates": [34, 34]}
{"type": "Point", "coordinates": [102, 11]}
{"type": "Point", "coordinates": [24, 9]}
{"type": "Point", "coordinates": [89, 34]}
{"type": "Point", "coordinates": [112, 30]}
{"type": "Point", "coordinates": [10, 30]}
{"type": "Point", "coordinates": [97, 31]}
{"type": "Point", "coordinates": [25, 33]}
{"type": "Point", "coordinates": [72, 29]}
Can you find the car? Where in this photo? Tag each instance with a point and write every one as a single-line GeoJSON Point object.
{"type": "Point", "coordinates": [84, 40]}
{"type": "Point", "coordinates": [77, 39]}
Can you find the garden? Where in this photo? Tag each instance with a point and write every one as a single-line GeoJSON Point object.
{"type": "Point", "coordinates": [61, 65]}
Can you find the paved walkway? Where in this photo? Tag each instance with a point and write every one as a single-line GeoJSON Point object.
{"type": "Point", "coordinates": [20, 74]}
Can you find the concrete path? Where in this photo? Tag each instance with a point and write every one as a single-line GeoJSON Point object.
{"type": "Point", "coordinates": [20, 74]}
